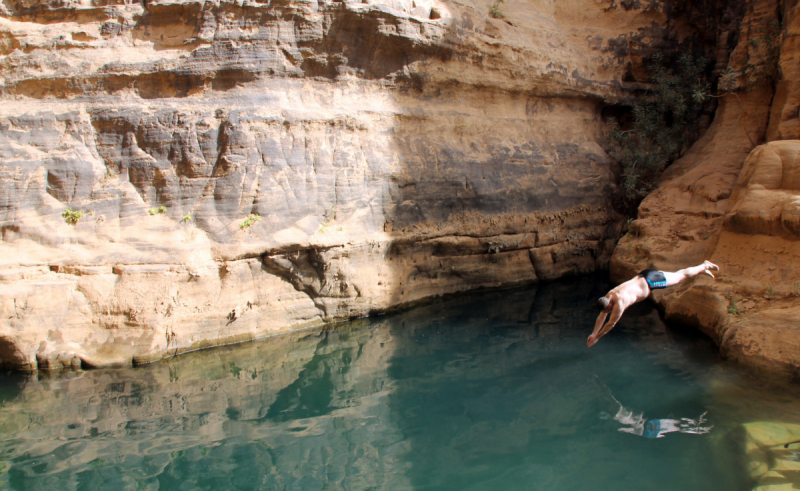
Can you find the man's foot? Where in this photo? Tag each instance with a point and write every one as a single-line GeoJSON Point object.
{"type": "Point", "coordinates": [709, 266]}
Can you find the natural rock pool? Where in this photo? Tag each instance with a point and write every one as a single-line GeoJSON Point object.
{"type": "Point", "coordinates": [484, 391]}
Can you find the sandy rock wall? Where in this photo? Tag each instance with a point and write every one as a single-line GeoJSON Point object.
{"type": "Point", "coordinates": [733, 199]}
{"type": "Point", "coordinates": [392, 151]}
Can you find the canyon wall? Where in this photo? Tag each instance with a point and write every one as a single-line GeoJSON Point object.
{"type": "Point", "coordinates": [735, 199]}
{"type": "Point", "coordinates": [177, 175]}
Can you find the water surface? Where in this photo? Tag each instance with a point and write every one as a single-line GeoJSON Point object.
{"type": "Point", "coordinates": [486, 391]}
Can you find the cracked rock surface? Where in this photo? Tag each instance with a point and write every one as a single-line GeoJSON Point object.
{"type": "Point", "coordinates": [391, 151]}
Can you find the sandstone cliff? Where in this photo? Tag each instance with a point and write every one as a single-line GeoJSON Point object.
{"type": "Point", "coordinates": [390, 150]}
{"type": "Point", "coordinates": [736, 204]}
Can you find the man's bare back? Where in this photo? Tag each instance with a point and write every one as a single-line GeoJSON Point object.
{"type": "Point", "coordinates": [615, 302]}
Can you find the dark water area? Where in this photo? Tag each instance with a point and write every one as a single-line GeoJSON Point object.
{"type": "Point", "coordinates": [484, 391]}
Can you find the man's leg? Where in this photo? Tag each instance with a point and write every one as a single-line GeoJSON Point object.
{"type": "Point", "coordinates": [686, 273]}
{"type": "Point", "coordinates": [676, 277]}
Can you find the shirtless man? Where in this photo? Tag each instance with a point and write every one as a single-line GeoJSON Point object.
{"type": "Point", "coordinates": [637, 289]}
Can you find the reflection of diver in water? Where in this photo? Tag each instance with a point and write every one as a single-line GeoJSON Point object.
{"type": "Point", "coordinates": [637, 424]}
{"type": "Point", "coordinates": [657, 428]}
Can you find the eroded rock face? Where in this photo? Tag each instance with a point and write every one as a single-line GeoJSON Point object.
{"type": "Point", "coordinates": [751, 310]}
{"type": "Point", "coordinates": [737, 206]}
{"type": "Point", "coordinates": [392, 151]}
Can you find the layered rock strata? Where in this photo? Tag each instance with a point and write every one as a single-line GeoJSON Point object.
{"type": "Point", "coordinates": [736, 204]}
{"type": "Point", "coordinates": [236, 169]}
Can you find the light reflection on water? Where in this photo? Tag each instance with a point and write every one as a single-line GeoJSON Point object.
{"type": "Point", "coordinates": [484, 391]}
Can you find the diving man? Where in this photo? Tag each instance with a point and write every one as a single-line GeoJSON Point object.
{"type": "Point", "coordinates": [637, 289]}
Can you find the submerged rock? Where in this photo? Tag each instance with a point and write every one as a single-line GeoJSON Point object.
{"type": "Point", "coordinates": [772, 464]}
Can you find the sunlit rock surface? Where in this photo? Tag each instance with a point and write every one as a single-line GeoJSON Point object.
{"type": "Point", "coordinates": [393, 151]}
{"type": "Point", "coordinates": [772, 454]}
{"type": "Point", "coordinates": [737, 205]}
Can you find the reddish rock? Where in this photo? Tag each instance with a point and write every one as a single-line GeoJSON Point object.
{"type": "Point", "coordinates": [737, 206]}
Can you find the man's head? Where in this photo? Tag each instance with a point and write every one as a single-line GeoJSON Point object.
{"type": "Point", "coordinates": [603, 303]}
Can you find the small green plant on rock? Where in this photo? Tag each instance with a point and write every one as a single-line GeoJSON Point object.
{"type": "Point", "coordinates": [728, 81]}
{"type": "Point", "coordinates": [72, 216]}
{"type": "Point", "coordinates": [329, 216]}
{"type": "Point", "coordinates": [769, 292]}
{"type": "Point", "coordinates": [763, 55]}
{"type": "Point", "coordinates": [250, 220]}
{"type": "Point", "coordinates": [495, 12]}
{"type": "Point", "coordinates": [156, 211]}
{"type": "Point", "coordinates": [733, 308]}
{"type": "Point", "coordinates": [186, 218]}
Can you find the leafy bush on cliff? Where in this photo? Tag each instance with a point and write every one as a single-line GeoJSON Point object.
{"type": "Point", "coordinates": [250, 221]}
{"type": "Point", "coordinates": [665, 124]}
{"type": "Point", "coordinates": [72, 216]}
{"type": "Point", "coordinates": [763, 55]}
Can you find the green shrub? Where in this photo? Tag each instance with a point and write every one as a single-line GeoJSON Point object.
{"type": "Point", "coordinates": [733, 308]}
{"type": "Point", "coordinates": [250, 220]}
{"type": "Point", "coordinates": [665, 124]}
{"type": "Point", "coordinates": [763, 55]}
{"type": "Point", "coordinates": [495, 11]}
{"type": "Point", "coordinates": [728, 81]}
{"type": "Point", "coordinates": [328, 217]}
{"type": "Point", "coordinates": [72, 216]}
{"type": "Point", "coordinates": [187, 217]}
{"type": "Point", "coordinates": [156, 211]}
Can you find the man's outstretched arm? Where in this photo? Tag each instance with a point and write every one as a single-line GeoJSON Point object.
{"type": "Point", "coordinates": [612, 321]}
{"type": "Point", "coordinates": [686, 273]}
{"type": "Point", "coordinates": [598, 324]}
{"type": "Point", "coordinates": [601, 330]}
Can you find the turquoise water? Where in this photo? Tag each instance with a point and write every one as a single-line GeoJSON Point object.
{"type": "Point", "coordinates": [487, 391]}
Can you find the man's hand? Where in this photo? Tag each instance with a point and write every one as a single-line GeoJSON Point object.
{"type": "Point", "coordinates": [593, 339]}
{"type": "Point", "coordinates": [708, 267]}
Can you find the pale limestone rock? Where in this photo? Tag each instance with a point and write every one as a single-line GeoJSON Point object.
{"type": "Point", "coordinates": [394, 151]}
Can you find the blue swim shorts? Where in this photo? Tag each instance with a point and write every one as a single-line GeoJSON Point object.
{"type": "Point", "coordinates": [655, 279]}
